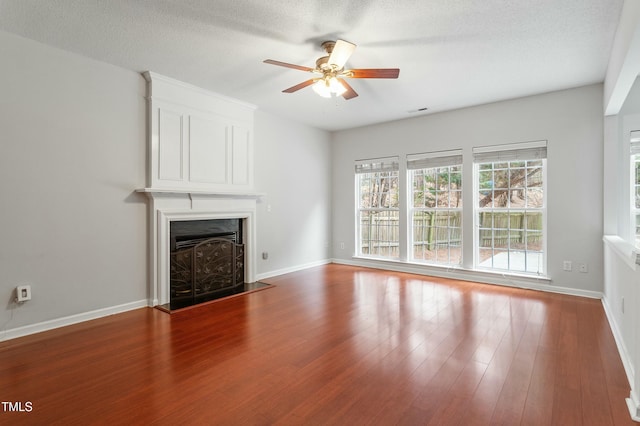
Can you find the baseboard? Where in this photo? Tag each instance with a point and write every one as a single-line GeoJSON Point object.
{"type": "Point", "coordinates": [283, 271]}
{"type": "Point", "coordinates": [633, 404]}
{"type": "Point", "coordinates": [622, 348]}
{"type": "Point", "coordinates": [72, 319]}
{"type": "Point", "coordinates": [634, 407]}
{"type": "Point", "coordinates": [529, 283]}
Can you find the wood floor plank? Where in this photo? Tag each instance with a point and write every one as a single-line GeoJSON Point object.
{"type": "Point", "coordinates": [330, 345]}
{"type": "Point", "coordinates": [511, 402]}
{"type": "Point", "coordinates": [592, 377]}
{"type": "Point", "coordinates": [540, 394]}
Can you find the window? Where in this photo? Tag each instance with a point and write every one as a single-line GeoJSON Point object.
{"type": "Point", "coordinates": [635, 186]}
{"type": "Point", "coordinates": [378, 213]}
{"type": "Point", "coordinates": [436, 207]}
{"type": "Point", "coordinates": [510, 207]}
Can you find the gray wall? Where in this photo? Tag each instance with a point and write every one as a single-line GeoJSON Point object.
{"type": "Point", "coordinates": [72, 136]}
{"type": "Point", "coordinates": [293, 168]}
{"type": "Point", "coordinates": [571, 122]}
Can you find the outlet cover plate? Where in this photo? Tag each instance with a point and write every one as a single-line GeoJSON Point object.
{"type": "Point", "coordinates": [23, 293]}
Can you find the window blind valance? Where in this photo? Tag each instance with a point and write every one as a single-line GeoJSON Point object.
{"type": "Point", "coordinates": [510, 152]}
{"type": "Point", "coordinates": [377, 165]}
{"type": "Point", "coordinates": [434, 159]}
{"type": "Point", "coordinates": [635, 142]}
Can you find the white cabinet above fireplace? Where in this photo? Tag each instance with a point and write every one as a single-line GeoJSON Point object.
{"type": "Point", "coordinates": [198, 140]}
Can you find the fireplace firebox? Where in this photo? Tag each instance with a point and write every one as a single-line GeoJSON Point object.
{"type": "Point", "coordinates": [206, 261]}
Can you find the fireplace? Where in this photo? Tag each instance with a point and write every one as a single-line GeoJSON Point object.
{"type": "Point", "coordinates": [199, 168]}
{"type": "Point", "coordinates": [199, 216]}
{"type": "Point", "coordinates": [206, 261]}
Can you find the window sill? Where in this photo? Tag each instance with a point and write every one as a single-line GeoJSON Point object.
{"type": "Point", "coordinates": [536, 282]}
{"type": "Point", "coordinates": [626, 251]}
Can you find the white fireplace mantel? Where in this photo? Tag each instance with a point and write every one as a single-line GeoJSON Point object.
{"type": "Point", "coordinates": [163, 192]}
{"type": "Point", "coordinates": [180, 205]}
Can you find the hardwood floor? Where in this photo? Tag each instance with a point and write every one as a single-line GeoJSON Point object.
{"type": "Point", "coordinates": [330, 345]}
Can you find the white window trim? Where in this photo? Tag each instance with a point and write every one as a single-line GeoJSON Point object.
{"type": "Point", "coordinates": [634, 149]}
{"type": "Point", "coordinates": [368, 166]}
{"type": "Point", "coordinates": [519, 150]}
{"type": "Point", "coordinates": [469, 216]}
{"type": "Point", "coordinates": [424, 161]}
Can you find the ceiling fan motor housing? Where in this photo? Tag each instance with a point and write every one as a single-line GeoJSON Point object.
{"type": "Point", "coordinates": [322, 64]}
{"type": "Point", "coordinates": [328, 46]}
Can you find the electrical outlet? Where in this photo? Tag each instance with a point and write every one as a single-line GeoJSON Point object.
{"type": "Point", "coordinates": [265, 255]}
{"type": "Point", "coordinates": [566, 265]}
{"type": "Point", "coordinates": [341, 246]}
{"type": "Point", "coordinates": [23, 293]}
{"type": "Point", "coordinates": [582, 267]}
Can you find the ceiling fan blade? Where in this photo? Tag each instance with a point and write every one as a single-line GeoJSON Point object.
{"type": "Point", "coordinates": [374, 73]}
{"type": "Point", "coordinates": [340, 53]}
{"type": "Point", "coordinates": [286, 65]}
{"type": "Point", "coordinates": [350, 93]}
{"type": "Point", "coordinates": [299, 86]}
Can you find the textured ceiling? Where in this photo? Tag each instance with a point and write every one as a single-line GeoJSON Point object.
{"type": "Point", "coordinates": [451, 54]}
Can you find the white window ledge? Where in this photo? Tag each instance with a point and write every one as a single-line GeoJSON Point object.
{"type": "Point", "coordinates": [531, 282]}
{"type": "Point", "coordinates": [423, 266]}
{"type": "Point", "coordinates": [628, 252]}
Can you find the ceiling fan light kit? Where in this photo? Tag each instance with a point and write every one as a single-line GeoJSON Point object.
{"type": "Point", "coordinates": [331, 73]}
{"type": "Point", "coordinates": [326, 87]}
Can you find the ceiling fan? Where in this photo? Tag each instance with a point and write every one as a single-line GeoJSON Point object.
{"type": "Point", "coordinates": [331, 74]}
